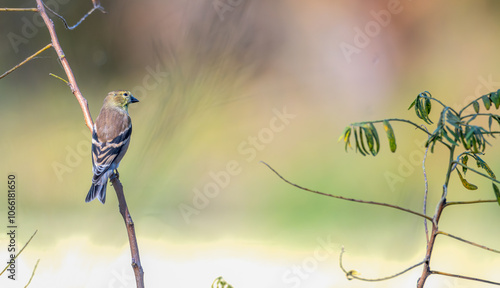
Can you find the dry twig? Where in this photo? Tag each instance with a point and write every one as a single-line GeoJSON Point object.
{"type": "Point", "coordinates": [134, 249]}
{"type": "Point", "coordinates": [62, 58]}
{"type": "Point", "coordinates": [26, 60]}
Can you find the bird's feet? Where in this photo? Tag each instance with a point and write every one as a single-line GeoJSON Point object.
{"type": "Point", "coordinates": [115, 174]}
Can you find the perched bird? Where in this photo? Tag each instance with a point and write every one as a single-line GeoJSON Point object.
{"type": "Point", "coordinates": [110, 140]}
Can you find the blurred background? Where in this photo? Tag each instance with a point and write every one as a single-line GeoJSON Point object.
{"type": "Point", "coordinates": [223, 85]}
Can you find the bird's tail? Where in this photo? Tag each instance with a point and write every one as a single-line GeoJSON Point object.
{"type": "Point", "coordinates": [97, 191]}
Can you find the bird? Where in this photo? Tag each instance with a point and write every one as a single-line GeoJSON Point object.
{"type": "Point", "coordinates": [110, 140]}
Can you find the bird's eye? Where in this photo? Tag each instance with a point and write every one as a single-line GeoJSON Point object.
{"type": "Point", "coordinates": [125, 94]}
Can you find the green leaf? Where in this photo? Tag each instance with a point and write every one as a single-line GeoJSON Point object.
{"type": "Point", "coordinates": [390, 136]}
{"type": "Point", "coordinates": [495, 98]}
{"type": "Point", "coordinates": [465, 158]}
{"type": "Point", "coordinates": [375, 136]}
{"type": "Point", "coordinates": [497, 192]}
{"type": "Point", "coordinates": [369, 139]}
{"type": "Point", "coordinates": [476, 106]}
{"type": "Point", "coordinates": [465, 141]}
{"type": "Point", "coordinates": [346, 136]}
{"type": "Point", "coordinates": [413, 103]}
{"type": "Point", "coordinates": [428, 106]}
{"type": "Point", "coordinates": [466, 184]}
{"type": "Point", "coordinates": [482, 164]}
{"type": "Point", "coordinates": [452, 118]}
{"type": "Point", "coordinates": [497, 118]}
{"type": "Point", "coordinates": [445, 134]}
{"type": "Point", "coordinates": [486, 102]}
{"type": "Point", "coordinates": [423, 106]}
{"type": "Point", "coordinates": [358, 147]}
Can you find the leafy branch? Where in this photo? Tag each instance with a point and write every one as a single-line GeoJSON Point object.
{"type": "Point", "coordinates": [452, 130]}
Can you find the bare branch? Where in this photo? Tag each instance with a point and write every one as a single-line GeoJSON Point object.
{"type": "Point", "coordinates": [60, 53]}
{"type": "Point", "coordinates": [349, 199]}
{"type": "Point", "coordinates": [464, 277]}
{"type": "Point", "coordinates": [20, 251]}
{"type": "Point", "coordinates": [18, 9]}
{"type": "Point", "coordinates": [468, 242]}
{"type": "Point", "coordinates": [32, 273]}
{"type": "Point", "coordinates": [426, 191]}
{"type": "Point", "coordinates": [134, 249]}
{"type": "Point", "coordinates": [470, 202]}
{"type": "Point", "coordinates": [26, 60]}
{"type": "Point", "coordinates": [81, 20]}
{"type": "Point", "coordinates": [97, 4]}
{"type": "Point", "coordinates": [354, 275]}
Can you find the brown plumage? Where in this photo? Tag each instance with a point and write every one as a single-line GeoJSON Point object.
{"type": "Point", "coordinates": [110, 140]}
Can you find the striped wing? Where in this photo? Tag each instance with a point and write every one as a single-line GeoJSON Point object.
{"type": "Point", "coordinates": [106, 156]}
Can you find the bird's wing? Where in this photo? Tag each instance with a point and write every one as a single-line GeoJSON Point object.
{"type": "Point", "coordinates": [107, 155]}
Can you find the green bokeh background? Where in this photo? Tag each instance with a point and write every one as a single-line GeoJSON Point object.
{"type": "Point", "coordinates": [208, 82]}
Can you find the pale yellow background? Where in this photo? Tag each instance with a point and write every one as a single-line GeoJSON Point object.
{"type": "Point", "coordinates": [207, 81]}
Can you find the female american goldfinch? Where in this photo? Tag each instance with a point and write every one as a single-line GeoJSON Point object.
{"type": "Point", "coordinates": [110, 140]}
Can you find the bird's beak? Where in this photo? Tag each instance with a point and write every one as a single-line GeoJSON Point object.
{"type": "Point", "coordinates": [133, 99]}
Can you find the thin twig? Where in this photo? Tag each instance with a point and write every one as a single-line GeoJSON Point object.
{"type": "Point", "coordinates": [134, 249]}
{"type": "Point", "coordinates": [20, 251]}
{"type": "Point", "coordinates": [60, 78]}
{"type": "Point", "coordinates": [464, 277]}
{"type": "Point", "coordinates": [470, 103]}
{"type": "Point", "coordinates": [348, 199]}
{"type": "Point", "coordinates": [426, 192]}
{"type": "Point", "coordinates": [80, 21]}
{"type": "Point", "coordinates": [26, 60]}
{"type": "Point", "coordinates": [60, 53]}
{"type": "Point", "coordinates": [469, 202]}
{"type": "Point", "coordinates": [32, 273]}
{"type": "Point", "coordinates": [350, 274]}
{"type": "Point", "coordinates": [468, 242]}
{"type": "Point", "coordinates": [18, 9]}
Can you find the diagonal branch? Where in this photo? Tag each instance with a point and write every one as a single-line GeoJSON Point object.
{"type": "Point", "coordinates": [18, 10]}
{"type": "Point", "coordinates": [20, 251]}
{"type": "Point", "coordinates": [26, 60]}
{"type": "Point", "coordinates": [134, 249]}
{"type": "Point", "coordinates": [464, 277]}
{"type": "Point", "coordinates": [62, 58]}
{"type": "Point", "coordinates": [32, 273]}
{"type": "Point", "coordinates": [349, 199]}
{"type": "Point", "coordinates": [468, 242]}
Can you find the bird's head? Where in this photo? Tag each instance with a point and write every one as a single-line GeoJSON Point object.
{"type": "Point", "coordinates": [120, 98]}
